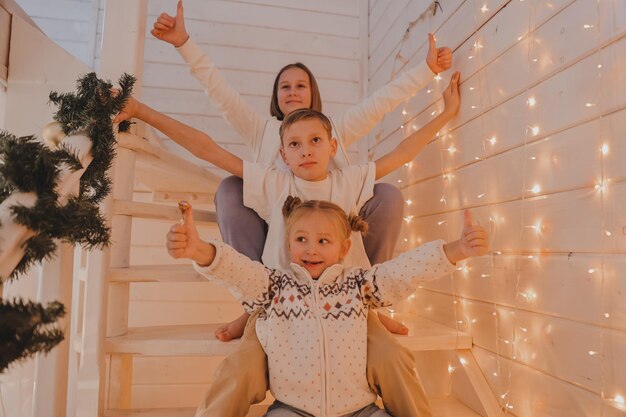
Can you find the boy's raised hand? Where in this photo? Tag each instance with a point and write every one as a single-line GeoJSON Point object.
{"type": "Point", "coordinates": [183, 240]}
{"type": "Point", "coordinates": [451, 96]}
{"type": "Point", "coordinates": [171, 29]}
{"type": "Point", "coordinates": [438, 59]}
{"type": "Point", "coordinates": [474, 240]}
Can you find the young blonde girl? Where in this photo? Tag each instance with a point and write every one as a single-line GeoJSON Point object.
{"type": "Point", "coordinates": [313, 320]}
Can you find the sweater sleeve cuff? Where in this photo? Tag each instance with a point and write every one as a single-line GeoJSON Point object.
{"type": "Point", "coordinates": [208, 269]}
{"type": "Point", "coordinates": [442, 253]}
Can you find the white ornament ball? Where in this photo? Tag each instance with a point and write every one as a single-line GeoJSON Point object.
{"type": "Point", "coordinates": [53, 134]}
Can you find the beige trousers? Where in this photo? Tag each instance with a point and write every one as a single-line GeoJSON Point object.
{"type": "Point", "coordinates": [242, 378]}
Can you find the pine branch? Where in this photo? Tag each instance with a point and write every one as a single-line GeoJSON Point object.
{"type": "Point", "coordinates": [25, 329]}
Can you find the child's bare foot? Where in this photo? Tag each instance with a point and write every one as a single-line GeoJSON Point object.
{"type": "Point", "coordinates": [392, 325]}
{"type": "Point", "coordinates": [232, 330]}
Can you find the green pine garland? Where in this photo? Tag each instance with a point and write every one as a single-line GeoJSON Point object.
{"type": "Point", "coordinates": [27, 165]}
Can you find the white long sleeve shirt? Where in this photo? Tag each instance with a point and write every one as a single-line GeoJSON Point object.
{"type": "Point", "coordinates": [314, 331]}
{"type": "Point", "coordinates": [261, 133]}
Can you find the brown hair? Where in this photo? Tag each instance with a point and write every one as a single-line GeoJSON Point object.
{"type": "Point", "coordinates": [316, 98]}
{"type": "Point", "coordinates": [294, 209]}
{"type": "Point", "coordinates": [305, 114]}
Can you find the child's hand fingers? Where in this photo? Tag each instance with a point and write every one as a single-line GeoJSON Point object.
{"type": "Point", "coordinates": [166, 20]}
{"type": "Point", "coordinates": [161, 27]}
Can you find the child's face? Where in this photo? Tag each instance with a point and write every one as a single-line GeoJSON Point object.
{"type": "Point", "coordinates": [294, 90]}
{"type": "Point", "coordinates": [307, 149]}
{"type": "Point", "coordinates": [315, 243]}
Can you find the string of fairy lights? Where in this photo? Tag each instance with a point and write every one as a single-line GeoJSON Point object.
{"type": "Point", "coordinates": [517, 332]}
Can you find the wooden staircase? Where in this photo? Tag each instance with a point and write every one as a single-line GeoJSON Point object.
{"type": "Point", "coordinates": [114, 347]}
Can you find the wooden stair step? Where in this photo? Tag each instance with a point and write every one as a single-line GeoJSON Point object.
{"type": "Point", "coordinates": [158, 211]}
{"type": "Point", "coordinates": [160, 170]}
{"type": "Point", "coordinates": [185, 340]}
{"type": "Point", "coordinates": [441, 407]}
{"type": "Point", "coordinates": [156, 273]}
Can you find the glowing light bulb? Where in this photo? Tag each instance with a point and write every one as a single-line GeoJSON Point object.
{"type": "Point", "coordinates": [535, 130]}
{"type": "Point", "coordinates": [495, 374]}
{"type": "Point", "coordinates": [605, 149]}
{"type": "Point", "coordinates": [485, 275]}
{"type": "Point", "coordinates": [477, 45]}
{"type": "Point", "coordinates": [428, 91]}
{"type": "Point", "coordinates": [399, 181]}
{"type": "Point", "coordinates": [599, 66]}
{"type": "Point", "coordinates": [592, 353]}
{"type": "Point", "coordinates": [452, 149]}
{"type": "Point", "coordinates": [408, 202]}
{"type": "Point", "coordinates": [438, 77]}
{"type": "Point", "coordinates": [472, 88]}
{"type": "Point", "coordinates": [474, 107]}
{"type": "Point", "coordinates": [493, 140]}
{"type": "Point", "coordinates": [432, 113]}
{"type": "Point", "coordinates": [439, 223]}
{"type": "Point", "coordinates": [607, 315]}
{"type": "Point", "coordinates": [529, 295]}
{"type": "Point", "coordinates": [591, 270]}
{"type": "Point", "coordinates": [619, 399]}
{"type": "Point", "coordinates": [404, 112]}
{"type": "Point", "coordinates": [450, 368]}
{"type": "Point", "coordinates": [481, 195]}
{"type": "Point", "coordinates": [531, 101]}
{"type": "Point", "coordinates": [536, 189]}
{"type": "Point", "coordinates": [589, 104]}
{"type": "Point", "coordinates": [606, 232]}
{"type": "Point", "coordinates": [406, 240]}
{"type": "Point", "coordinates": [484, 9]}
{"type": "Point", "coordinates": [408, 219]}
{"type": "Point", "coordinates": [414, 127]}
{"type": "Point", "coordinates": [470, 57]}
{"type": "Point", "coordinates": [408, 164]}
{"type": "Point", "coordinates": [587, 26]}
{"type": "Point", "coordinates": [401, 126]}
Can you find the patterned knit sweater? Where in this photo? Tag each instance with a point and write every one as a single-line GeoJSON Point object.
{"type": "Point", "coordinates": [314, 332]}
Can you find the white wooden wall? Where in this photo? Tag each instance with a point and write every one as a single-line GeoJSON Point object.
{"type": "Point", "coordinates": [543, 91]}
{"type": "Point", "coordinates": [70, 23]}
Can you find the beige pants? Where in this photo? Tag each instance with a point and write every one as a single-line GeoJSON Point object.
{"type": "Point", "coordinates": [242, 378]}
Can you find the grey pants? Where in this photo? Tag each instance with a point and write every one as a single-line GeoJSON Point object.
{"type": "Point", "coordinates": [245, 231]}
{"type": "Point", "coordinates": [279, 409]}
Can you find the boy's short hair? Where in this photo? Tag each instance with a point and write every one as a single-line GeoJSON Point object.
{"type": "Point", "coordinates": [305, 114]}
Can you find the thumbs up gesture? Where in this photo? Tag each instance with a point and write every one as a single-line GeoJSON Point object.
{"type": "Point", "coordinates": [438, 59]}
{"type": "Point", "coordinates": [473, 241]}
{"type": "Point", "coordinates": [171, 29]}
{"type": "Point", "coordinates": [183, 240]}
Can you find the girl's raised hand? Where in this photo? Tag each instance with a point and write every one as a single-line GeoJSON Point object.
{"type": "Point", "coordinates": [474, 240]}
{"type": "Point", "coordinates": [438, 59]}
{"type": "Point", "coordinates": [171, 29]}
{"type": "Point", "coordinates": [183, 240]}
{"type": "Point", "coordinates": [451, 96]}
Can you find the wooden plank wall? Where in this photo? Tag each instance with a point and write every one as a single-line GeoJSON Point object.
{"type": "Point", "coordinates": [70, 23]}
{"type": "Point", "coordinates": [249, 42]}
{"type": "Point", "coordinates": [537, 153]}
